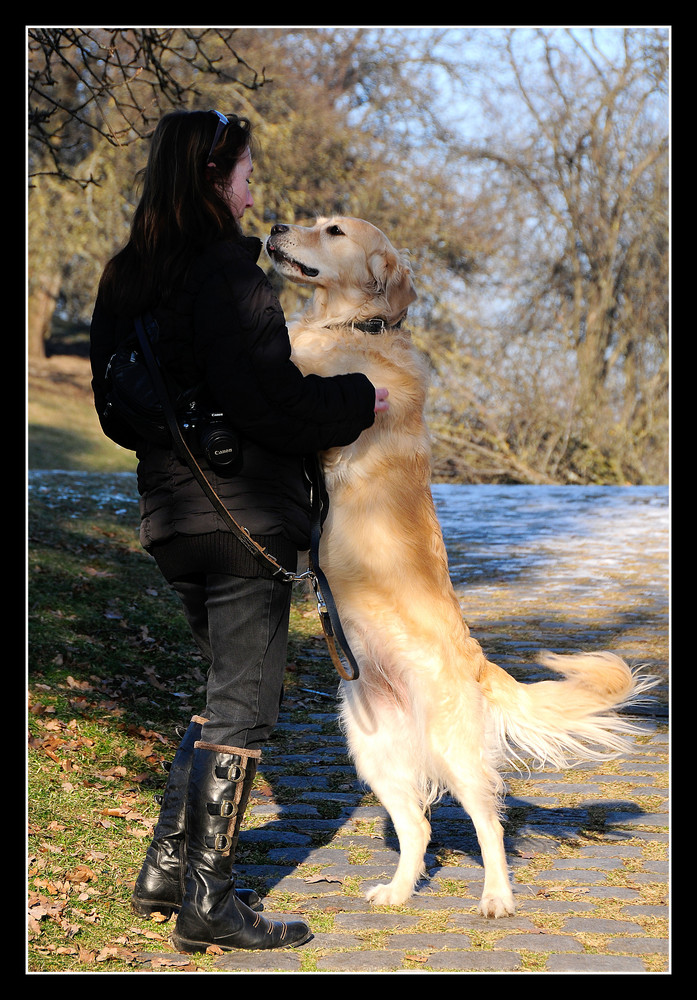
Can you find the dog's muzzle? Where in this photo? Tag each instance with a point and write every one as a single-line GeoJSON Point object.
{"type": "Point", "coordinates": [276, 253]}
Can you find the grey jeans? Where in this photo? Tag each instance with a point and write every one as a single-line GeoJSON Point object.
{"type": "Point", "coordinates": [241, 626]}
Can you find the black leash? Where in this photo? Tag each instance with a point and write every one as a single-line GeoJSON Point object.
{"type": "Point", "coordinates": [326, 607]}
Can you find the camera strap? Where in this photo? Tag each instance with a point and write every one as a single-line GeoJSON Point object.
{"type": "Point", "coordinates": [326, 606]}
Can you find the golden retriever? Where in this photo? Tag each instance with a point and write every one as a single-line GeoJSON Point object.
{"type": "Point", "coordinates": [429, 713]}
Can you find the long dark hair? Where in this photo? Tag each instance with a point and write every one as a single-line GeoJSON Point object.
{"type": "Point", "coordinates": [181, 209]}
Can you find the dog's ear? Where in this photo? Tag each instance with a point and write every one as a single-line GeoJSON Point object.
{"type": "Point", "coordinates": [393, 281]}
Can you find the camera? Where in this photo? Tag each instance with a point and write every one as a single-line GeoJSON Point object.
{"type": "Point", "coordinates": [217, 440]}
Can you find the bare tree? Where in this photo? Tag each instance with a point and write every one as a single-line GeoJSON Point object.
{"type": "Point", "coordinates": [87, 84]}
{"type": "Point", "coordinates": [577, 153]}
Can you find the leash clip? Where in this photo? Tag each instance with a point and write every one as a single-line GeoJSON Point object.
{"type": "Point", "coordinates": [347, 668]}
{"type": "Point", "coordinates": [321, 603]}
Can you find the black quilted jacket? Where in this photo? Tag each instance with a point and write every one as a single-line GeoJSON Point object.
{"type": "Point", "coordinates": [225, 327]}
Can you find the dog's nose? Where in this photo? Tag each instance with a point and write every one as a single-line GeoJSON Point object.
{"type": "Point", "coordinates": [278, 228]}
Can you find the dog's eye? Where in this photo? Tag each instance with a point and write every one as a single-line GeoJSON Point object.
{"type": "Point", "coordinates": [335, 231]}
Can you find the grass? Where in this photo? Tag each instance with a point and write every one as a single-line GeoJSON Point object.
{"type": "Point", "coordinates": [64, 431]}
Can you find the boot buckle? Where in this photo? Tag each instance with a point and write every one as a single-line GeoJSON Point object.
{"type": "Point", "coordinates": [226, 807]}
{"type": "Point", "coordinates": [235, 773]}
{"type": "Point", "coordinates": [232, 772]}
{"type": "Point", "coordinates": [222, 842]}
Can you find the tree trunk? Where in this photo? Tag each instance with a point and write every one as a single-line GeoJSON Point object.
{"type": "Point", "coordinates": [41, 306]}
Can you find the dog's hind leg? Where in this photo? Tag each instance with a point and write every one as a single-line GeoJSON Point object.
{"type": "Point", "coordinates": [384, 759]}
{"type": "Point", "coordinates": [476, 791]}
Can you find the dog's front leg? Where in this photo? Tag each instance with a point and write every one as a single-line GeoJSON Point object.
{"type": "Point", "coordinates": [413, 832]}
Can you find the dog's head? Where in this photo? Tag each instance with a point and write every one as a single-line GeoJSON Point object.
{"type": "Point", "coordinates": [356, 272]}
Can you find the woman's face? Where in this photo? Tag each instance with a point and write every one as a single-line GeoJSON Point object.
{"type": "Point", "coordinates": [236, 190]}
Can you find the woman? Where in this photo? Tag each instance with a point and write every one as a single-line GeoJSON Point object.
{"type": "Point", "coordinates": [222, 330]}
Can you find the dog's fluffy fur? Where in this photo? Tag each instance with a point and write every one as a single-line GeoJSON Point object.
{"type": "Point", "coordinates": [429, 712]}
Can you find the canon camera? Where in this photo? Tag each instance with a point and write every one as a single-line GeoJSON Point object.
{"type": "Point", "coordinates": [216, 438]}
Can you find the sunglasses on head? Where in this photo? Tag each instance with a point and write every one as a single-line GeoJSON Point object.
{"type": "Point", "coordinates": [222, 123]}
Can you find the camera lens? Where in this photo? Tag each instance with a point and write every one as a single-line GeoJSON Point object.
{"type": "Point", "coordinates": [220, 445]}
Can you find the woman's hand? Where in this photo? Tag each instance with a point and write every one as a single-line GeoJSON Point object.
{"type": "Point", "coordinates": [381, 403]}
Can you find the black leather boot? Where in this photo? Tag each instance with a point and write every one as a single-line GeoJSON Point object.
{"type": "Point", "coordinates": [211, 913]}
{"type": "Point", "coordinates": [160, 884]}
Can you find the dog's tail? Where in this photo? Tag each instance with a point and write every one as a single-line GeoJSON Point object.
{"type": "Point", "coordinates": [556, 723]}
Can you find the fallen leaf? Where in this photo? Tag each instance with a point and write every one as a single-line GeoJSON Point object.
{"type": "Point", "coordinates": [109, 953]}
{"type": "Point", "coordinates": [80, 685]}
{"type": "Point", "coordinates": [147, 933]}
{"type": "Point", "coordinates": [164, 961]}
{"type": "Point", "coordinates": [81, 874]}
{"type": "Point", "coordinates": [561, 888]}
{"type": "Point", "coordinates": [119, 771]}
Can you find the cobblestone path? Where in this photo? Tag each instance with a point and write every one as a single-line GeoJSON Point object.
{"type": "Point", "coordinates": [588, 847]}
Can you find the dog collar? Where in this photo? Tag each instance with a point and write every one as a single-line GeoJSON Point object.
{"type": "Point", "coordinates": [374, 326]}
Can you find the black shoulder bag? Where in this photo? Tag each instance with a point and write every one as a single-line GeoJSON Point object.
{"type": "Point", "coordinates": [326, 606]}
{"type": "Point", "coordinates": [132, 399]}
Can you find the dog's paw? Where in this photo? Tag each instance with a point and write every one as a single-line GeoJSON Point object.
{"type": "Point", "coordinates": [387, 895]}
{"type": "Point", "coordinates": [497, 906]}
